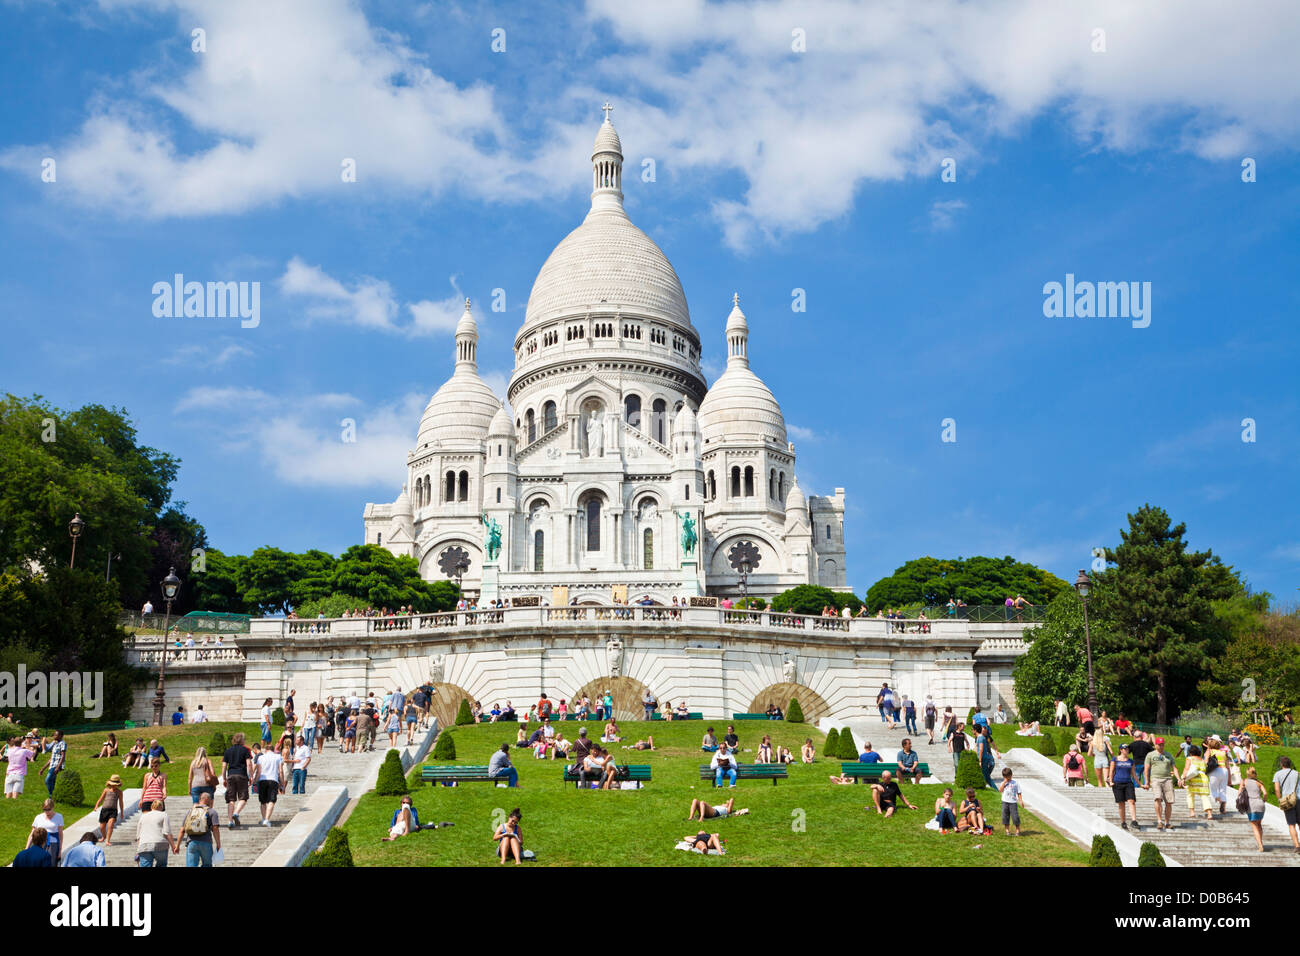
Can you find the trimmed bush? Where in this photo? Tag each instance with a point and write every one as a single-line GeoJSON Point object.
{"type": "Point", "coordinates": [217, 745]}
{"type": "Point", "coordinates": [444, 748]}
{"type": "Point", "coordinates": [463, 716]}
{"type": "Point", "coordinates": [794, 713]}
{"type": "Point", "coordinates": [968, 773]}
{"type": "Point", "coordinates": [847, 748]}
{"type": "Point", "coordinates": [1104, 852]}
{"type": "Point", "coordinates": [1047, 745]}
{"type": "Point", "coordinates": [832, 745]}
{"type": "Point", "coordinates": [277, 717]}
{"type": "Point", "coordinates": [1149, 855]}
{"type": "Point", "coordinates": [392, 779]}
{"type": "Point", "coordinates": [67, 788]}
{"type": "Point", "coordinates": [336, 851]}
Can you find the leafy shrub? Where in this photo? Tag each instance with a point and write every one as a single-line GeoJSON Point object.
{"type": "Point", "coordinates": [794, 713]}
{"type": "Point", "coordinates": [968, 772]}
{"type": "Point", "coordinates": [463, 716]}
{"type": "Point", "coordinates": [277, 717]}
{"type": "Point", "coordinates": [1047, 745]}
{"type": "Point", "coordinates": [831, 748]}
{"type": "Point", "coordinates": [1104, 852]}
{"type": "Point", "coordinates": [392, 779]}
{"type": "Point", "coordinates": [1263, 735]}
{"type": "Point", "coordinates": [335, 852]}
{"type": "Point", "coordinates": [1149, 855]}
{"type": "Point", "coordinates": [67, 788]}
{"type": "Point", "coordinates": [217, 745]}
{"type": "Point", "coordinates": [444, 748]}
{"type": "Point", "coordinates": [847, 748]}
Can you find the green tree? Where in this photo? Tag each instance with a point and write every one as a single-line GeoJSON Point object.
{"type": "Point", "coordinates": [444, 748]}
{"type": "Point", "coordinates": [794, 713]}
{"type": "Point", "coordinates": [1159, 598]}
{"type": "Point", "coordinates": [68, 790]}
{"type": "Point", "coordinates": [1149, 855]}
{"type": "Point", "coordinates": [846, 748]}
{"type": "Point", "coordinates": [266, 579]}
{"type": "Point", "coordinates": [968, 773]}
{"type": "Point", "coordinates": [831, 746]}
{"type": "Point", "coordinates": [1055, 666]}
{"type": "Point", "coordinates": [1104, 852]}
{"type": "Point", "coordinates": [463, 715]}
{"type": "Point", "coordinates": [217, 587]}
{"type": "Point", "coordinates": [1265, 652]}
{"type": "Point", "coordinates": [811, 598]}
{"type": "Point", "coordinates": [335, 852]}
{"type": "Point", "coordinates": [931, 582]}
{"type": "Point", "coordinates": [391, 781]}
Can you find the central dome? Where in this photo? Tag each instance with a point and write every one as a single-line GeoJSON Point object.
{"type": "Point", "coordinates": [607, 263]}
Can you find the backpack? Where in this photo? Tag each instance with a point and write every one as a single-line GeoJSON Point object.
{"type": "Point", "coordinates": [196, 822]}
{"type": "Point", "coordinates": [1073, 762]}
{"type": "Point", "coordinates": [1243, 801]}
{"type": "Point", "coordinates": [1212, 764]}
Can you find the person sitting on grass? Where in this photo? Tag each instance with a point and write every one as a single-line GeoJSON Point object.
{"type": "Point", "coordinates": [707, 810]}
{"type": "Point", "coordinates": [886, 794]}
{"type": "Point", "coordinates": [405, 820]}
{"type": "Point", "coordinates": [510, 838]}
{"type": "Point", "coordinates": [560, 747]}
{"type": "Point", "coordinates": [909, 762]}
{"type": "Point", "coordinates": [108, 748]}
{"type": "Point", "coordinates": [971, 814]}
{"type": "Point", "coordinates": [704, 842]}
{"type": "Point", "coordinates": [945, 814]}
{"type": "Point", "coordinates": [611, 733]}
{"type": "Point", "coordinates": [1012, 802]}
{"type": "Point", "coordinates": [807, 751]}
{"type": "Point", "coordinates": [710, 742]}
{"type": "Point", "coordinates": [135, 756]}
{"type": "Point", "coordinates": [783, 755]}
{"type": "Point", "coordinates": [764, 754]}
{"type": "Point", "coordinates": [647, 744]}
{"type": "Point", "coordinates": [521, 736]}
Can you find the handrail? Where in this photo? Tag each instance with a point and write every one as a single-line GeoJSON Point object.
{"type": "Point", "coordinates": [988, 613]}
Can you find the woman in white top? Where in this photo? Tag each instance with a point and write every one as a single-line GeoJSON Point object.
{"type": "Point", "coordinates": [154, 840]}
{"type": "Point", "coordinates": [52, 824]}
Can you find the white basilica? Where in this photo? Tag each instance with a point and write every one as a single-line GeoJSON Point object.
{"type": "Point", "coordinates": [616, 446]}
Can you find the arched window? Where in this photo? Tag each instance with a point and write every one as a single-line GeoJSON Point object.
{"type": "Point", "coordinates": [828, 532]}
{"type": "Point", "coordinates": [780, 487]}
{"type": "Point", "coordinates": [771, 483]}
{"type": "Point", "coordinates": [428, 490]}
{"type": "Point", "coordinates": [688, 492]}
{"type": "Point", "coordinates": [711, 488]}
{"type": "Point", "coordinates": [379, 538]}
{"type": "Point", "coordinates": [749, 482]}
{"type": "Point", "coordinates": [498, 496]}
{"type": "Point", "coordinates": [632, 410]}
{"type": "Point", "coordinates": [464, 486]}
{"type": "Point", "coordinates": [539, 551]}
{"type": "Point", "coordinates": [449, 492]}
{"type": "Point", "coordinates": [735, 481]}
{"type": "Point", "coordinates": [593, 523]}
{"type": "Point", "coordinates": [648, 549]}
{"type": "Point", "coordinates": [548, 417]}
{"type": "Point", "coordinates": [657, 416]}
{"type": "Point", "coordinates": [531, 422]}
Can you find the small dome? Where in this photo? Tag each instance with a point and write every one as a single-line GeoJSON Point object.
{"type": "Point", "coordinates": [462, 410]}
{"type": "Point", "coordinates": [796, 506]}
{"type": "Point", "coordinates": [607, 140]}
{"type": "Point", "coordinates": [467, 325]}
{"type": "Point", "coordinates": [736, 320]}
{"type": "Point", "coordinates": [402, 506]}
{"type": "Point", "coordinates": [684, 423]}
{"type": "Point", "coordinates": [501, 426]}
{"type": "Point", "coordinates": [739, 405]}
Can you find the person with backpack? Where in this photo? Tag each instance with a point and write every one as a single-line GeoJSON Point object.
{"type": "Point", "coordinates": [1285, 784]}
{"type": "Point", "coordinates": [1075, 768]}
{"type": "Point", "coordinates": [909, 714]}
{"type": "Point", "coordinates": [202, 832]}
{"type": "Point", "coordinates": [931, 715]}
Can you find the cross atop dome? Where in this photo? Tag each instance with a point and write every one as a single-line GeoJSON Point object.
{"type": "Point", "coordinates": [735, 298]}
{"type": "Point", "coordinates": [608, 109]}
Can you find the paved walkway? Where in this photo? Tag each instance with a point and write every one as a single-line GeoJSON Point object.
{"type": "Point", "coordinates": [888, 743]}
{"type": "Point", "coordinates": [244, 845]}
{"type": "Point", "coordinates": [1224, 841]}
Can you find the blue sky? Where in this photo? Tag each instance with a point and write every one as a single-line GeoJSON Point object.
{"type": "Point", "coordinates": [775, 169]}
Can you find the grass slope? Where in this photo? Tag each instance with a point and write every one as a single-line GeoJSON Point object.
{"type": "Point", "coordinates": [803, 821]}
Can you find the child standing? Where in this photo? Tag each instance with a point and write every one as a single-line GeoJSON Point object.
{"type": "Point", "coordinates": [1012, 801]}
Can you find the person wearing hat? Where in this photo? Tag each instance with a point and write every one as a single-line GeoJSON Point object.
{"type": "Point", "coordinates": [111, 808]}
{"type": "Point", "coordinates": [87, 852]}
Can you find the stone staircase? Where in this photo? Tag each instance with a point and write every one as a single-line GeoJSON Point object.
{"type": "Point", "coordinates": [884, 741]}
{"type": "Point", "coordinates": [1224, 841]}
{"type": "Point", "coordinates": [243, 846]}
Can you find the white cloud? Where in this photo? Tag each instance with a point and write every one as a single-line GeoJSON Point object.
{"type": "Point", "coordinates": [801, 433]}
{"type": "Point", "coordinates": [204, 356]}
{"type": "Point", "coordinates": [212, 396]}
{"type": "Point", "coordinates": [368, 302]}
{"type": "Point", "coordinates": [942, 212]}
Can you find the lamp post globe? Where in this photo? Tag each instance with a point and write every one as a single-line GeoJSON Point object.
{"type": "Point", "coordinates": [171, 586]}
{"type": "Point", "coordinates": [75, 527]}
{"type": "Point", "coordinates": [1083, 584]}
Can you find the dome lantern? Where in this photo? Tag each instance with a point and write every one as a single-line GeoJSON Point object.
{"type": "Point", "coordinates": [607, 165]}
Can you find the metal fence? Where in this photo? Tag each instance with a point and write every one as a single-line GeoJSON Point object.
{"type": "Point", "coordinates": [199, 624]}
{"type": "Point", "coordinates": [988, 613]}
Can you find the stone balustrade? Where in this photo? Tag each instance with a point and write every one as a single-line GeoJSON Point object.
{"type": "Point", "coordinates": [149, 653]}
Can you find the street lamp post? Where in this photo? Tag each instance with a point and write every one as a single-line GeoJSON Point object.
{"type": "Point", "coordinates": [744, 569]}
{"type": "Point", "coordinates": [171, 585]}
{"type": "Point", "coordinates": [461, 567]}
{"type": "Point", "coordinates": [1084, 586]}
{"type": "Point", "coordinates": [75, 527]}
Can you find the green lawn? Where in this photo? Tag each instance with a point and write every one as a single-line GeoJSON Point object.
{"type": "Point", "coordinates": [802, 821]}
{"type": "Point", "coordinates": [180, 743]}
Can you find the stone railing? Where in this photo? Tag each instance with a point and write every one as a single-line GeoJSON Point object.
{"type": "Point", "coordinates": [147, 652]}
{"type": "Point", "coordinates": [543, 617]}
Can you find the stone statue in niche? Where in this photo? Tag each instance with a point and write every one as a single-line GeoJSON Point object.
{"type": "Point", "coordinates": [614, 657]}
{"type": "Point", "coordinates": [437, 668]}
{"type": "Point", "coordinates": [789, 671]}
{"type": "Point", "coordinates": [595, 434]}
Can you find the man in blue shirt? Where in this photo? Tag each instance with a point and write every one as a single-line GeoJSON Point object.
{"type": "Point", "coordinates": [86, 852]}
{"type": "Point", "coordinates": [908, 762]}
{"type": "Point", "coordinates": [178, 717]}
{"type": "Point", "coordinates": [868, 755]}
{"type": "Point", "coordinates": [500, 766]}
{"type": "Point", "coordinates": [156, 750]}
{"type": "Point", "coordinates": [35, 855]}
{"type": "Point", "coordinates": [415, 816]}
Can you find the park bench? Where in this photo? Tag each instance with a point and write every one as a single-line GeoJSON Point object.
{"type": "Point", "coordinates": [458, 775]}
{"type": "Point", "coordinates": [750, 771]}
{"type": "Point", "coordinates": [751, 717]}
{"type": "Point", "coordinates": [689, 716]}
{"type": "Point", "coordinates": [637, 772]}
{"type": "Point", "coordinates": [873, 771]}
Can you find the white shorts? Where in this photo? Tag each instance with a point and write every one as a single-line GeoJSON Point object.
{"type": "Point", "coordinates": [1099, 762]}
{"type": "Point", "coordinates": [14, 782]}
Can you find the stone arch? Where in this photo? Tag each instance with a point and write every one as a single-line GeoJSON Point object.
{"type": "Point", "coordinates": [628, 692]}
{"type": "Point", "coordinates": [446, 702]}
{"type": "Point", "coordinates": [813, 704]}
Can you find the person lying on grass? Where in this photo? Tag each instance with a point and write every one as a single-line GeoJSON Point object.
{"type": "Point", "coordinates": [843, 778]}
{"type": "Point", "coordinates": [706, 811]}
{"type": "Point", "coordinates": [704, 842]}
{"type": "Point", "coordinates": [886, 794]}
{"type": "Point", "coordinates": [647, 744]}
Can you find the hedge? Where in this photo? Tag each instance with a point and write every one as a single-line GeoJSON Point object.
{"type": "Point", "coordinates": [463, 715]}
{"type": "Point", "coordinates": [968, 773]}
{"type": "Point", "coordinates": [831, 747]}
{"type": "Point", "coordinates": [444, 748]}
{"type": "Point", "coordinates": [847, 748]}
{"type": "Point", "coordinates": [336, 851]}
{"type": "Point", "coordinates": [392, 779]}
{"type": "Point", "coordinates": [794, 713]}
{"type": "Point", "coordinates": [1149, 855]}
{"type": "Point", "coordinates": [1104, 852]}
{"type": "Point", "coordinates": [68, 789]}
